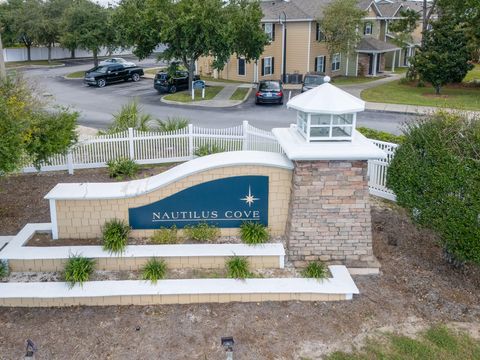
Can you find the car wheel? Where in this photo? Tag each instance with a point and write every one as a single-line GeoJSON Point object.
{"type": "Point", "coordinates": [173, 89]}
{"type": "Point", "coordinates": [257, 102]}
{"type": "Point", "coordinates": [101, 83]}
{"type": "Point", "coordinates": [281, 102]}
{"type": "Point", "coordinates": [135, 77]}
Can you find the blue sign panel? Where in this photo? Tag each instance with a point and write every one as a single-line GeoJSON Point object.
{"type": "Point", "coordinates": [199, 84]}
{"type": "Point", "coordinates": [226, 203]}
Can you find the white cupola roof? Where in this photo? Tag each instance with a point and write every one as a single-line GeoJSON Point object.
{"type": "Point", "coordinates": [326, 99]}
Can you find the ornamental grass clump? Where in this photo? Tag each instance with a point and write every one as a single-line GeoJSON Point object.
{"type": "Point", "coordinates": [165, 236]}
{"type": "Point", "coordinates": [3, 269]}
{"type": "Point", "coordinates": [154, 270]}
{"type": "Point", "coordinates": [202, 232]}
{"type": "Point", "coordinates": [253, 233]}
{"type": "Point", "coordinates": [316, 270]}
{"type": "Point", "coordinates": [208, 149]}
{"type": "Point", "coordinates": [238, 267]}
{"type": "Point", "coordinates": [115, 235]}
{"type": "Point", "coordinates": [122, 168]}
{"type": "Point", "coordinates": [78, 269]}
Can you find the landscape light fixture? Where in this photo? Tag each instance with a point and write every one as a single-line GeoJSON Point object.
{"type": "Point", "coordinates": [31, 349]}
{"type": "Point", "coordinates": [227, 343]}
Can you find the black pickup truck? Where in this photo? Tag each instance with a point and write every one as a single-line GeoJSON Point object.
{"type": "Point", "coordinates": [104, 74]}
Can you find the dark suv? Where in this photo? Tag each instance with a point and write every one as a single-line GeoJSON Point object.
{"type": "Point", "coordinates": [163, 82]}
{"type": "Point", "coordinates": [312, 80]}
{"type": "Point", "coordinates": [269, 91]}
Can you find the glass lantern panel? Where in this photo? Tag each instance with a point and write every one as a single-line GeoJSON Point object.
{"type": "Point", "coordinates": [302, 121]}
{"type": "Point", "coordinates": [320, 131]}
{"type": "Point", "coordinates": [343, 119]}
{"type": "Point", "coordinates": [320, 119]}
{"type": "Point", "coordinates": [341, 131]}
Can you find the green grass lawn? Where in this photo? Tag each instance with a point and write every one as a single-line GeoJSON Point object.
{"type": "Point", "coordinates": [186, 96]}
{"type": "Point", "coordinates": [398, 70]}
{"type": "Point", "coordinates": [210, 78]}
{"type": "Point", "coordinates": [438, 342]}
{"type": "Point", "coordinates": [28, 63]}
{"type": "Point", "coordinates": [473, 74]}
{"type": "Point", "coordinates": [239, 94]}
{"type": "Point", "coordinates": [457, 97]}
{"type": "Point", "coordinates": [349, 80]}
{"type": "Point", "coordinates": [153, 71]}
{"type": "Point", "coordinates": [76, 75]}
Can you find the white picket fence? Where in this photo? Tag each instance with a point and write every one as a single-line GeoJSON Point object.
{"type": "Point", "coordinates": [181, 145]}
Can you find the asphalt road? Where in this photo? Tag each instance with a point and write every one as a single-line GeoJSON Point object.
{"type": "Point", "coordinates": [96, 105]}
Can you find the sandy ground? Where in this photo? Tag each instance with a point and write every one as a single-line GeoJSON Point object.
{"type": "Point", "coordinates": [417, 288]}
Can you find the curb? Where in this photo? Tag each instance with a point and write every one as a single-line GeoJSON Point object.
{"type": "Point", "coordinates": [35, 67]}
{"type": "Point", "coordinates": [204, 104]}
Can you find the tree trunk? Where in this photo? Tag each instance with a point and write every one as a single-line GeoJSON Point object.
{"type": "Point", "coordinates": [29, 53]}
{"type": "Point", "coordinates": [190, 65]}
{"type": "Point", "coordinates": [49, 47]}
{"type": "Point", "coordinates": [437, 90]}
{"type": "Point", "coordinates": [72, 54]}
{"type": "Point", "coordinates": [3, 72]}
{"type": "Point", "coordinates": [95, 57]}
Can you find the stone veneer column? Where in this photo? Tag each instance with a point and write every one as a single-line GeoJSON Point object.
{"type": "Point", "coordinates": [329, 214]}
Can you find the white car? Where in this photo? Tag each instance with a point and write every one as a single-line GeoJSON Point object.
{"type": "Point", "coordinates": [122, 61]}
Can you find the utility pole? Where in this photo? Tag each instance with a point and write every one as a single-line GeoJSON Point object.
{"type": "Point", "coordinates": [3, 73]}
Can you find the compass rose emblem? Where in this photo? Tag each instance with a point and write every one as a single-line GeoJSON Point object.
{"type": "Point", "coordinates": [249, 199]}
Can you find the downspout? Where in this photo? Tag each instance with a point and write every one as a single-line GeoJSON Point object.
{"type": "Point", "coordinates": [309, 45]}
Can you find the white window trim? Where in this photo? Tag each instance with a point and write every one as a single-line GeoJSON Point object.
{"type": "Point", "coordinates": [365, 28]}
{"type": "Point", "coordinates": [265, 66]}
{"type": "Point", "coordinates": [324, 60]}
{"type": "Point", "coordinates": [244, 67]}
{"type": "Point", "coordinates": [270, 33]}
{"type": "Point", "coordinates": [335, 62]}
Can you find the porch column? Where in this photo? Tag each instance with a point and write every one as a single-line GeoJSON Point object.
{"type": "Point", "coordinates": [393, 61]}
{"type": "Point", "coordinates": [374, 69]}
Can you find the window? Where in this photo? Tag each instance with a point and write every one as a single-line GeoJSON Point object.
{"type": "Point", "coordinates": [241, 66]}
{"type": "Point", "coordinates": [320, 64]}
{"type": "Point", "coordinates": [320, 36]}
{"type": "Point", "coordinates": [326, 126]}
{"type": "Point", "coordinates": [336, 62]}
{"type": "Point", "coordinates": [367, 28]}
{"type": "Point", "coordinates": [268, 66]}
{"type": "Point", "coordinates": [269, 29]}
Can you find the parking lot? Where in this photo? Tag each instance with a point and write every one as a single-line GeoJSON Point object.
{"type": "Point", "coordinates": [96, 105]}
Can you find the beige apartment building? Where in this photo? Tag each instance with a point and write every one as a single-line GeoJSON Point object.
{"type": "Point", "coordinates": [297, 45]}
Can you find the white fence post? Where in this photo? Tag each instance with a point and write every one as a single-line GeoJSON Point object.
{"type": "Point", "coordinates": [245, 135]}
{"type": "Point", "coordinates": [70, 162]}
{"type": "Point", "coordinates": [131, 145]}
{"type": "Point", "coordinates": [190, 140]}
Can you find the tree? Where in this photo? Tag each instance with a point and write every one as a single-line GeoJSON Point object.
{"type": "Point", "coordinates": [435, 174]}
{"type": "Point", "coordinates": [86, 26]}
{"type": "Point", "coordinates": [193, 28]}
{"type": "Point", "coordinates": [340, 23]}
{"type": "Point", "coordinates": [50, 24]}
{"type": "Point", "coordinates": [23, 18]}
{"type": "Point", "coordinates": [28, 132]}
{"type": "Point", "coordinates": [444, 56]}
{"type": "Point", "coordinates": [404, 26]}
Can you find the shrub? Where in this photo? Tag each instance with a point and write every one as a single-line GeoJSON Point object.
{"type": "Point", "coordinates": [316, 270]}
{"type": "Point", "coordinates": [238, 267]}
{"type": "Point", "coordinates": [253, 233]}
{"type": "Point", "coordinates": [78, 270]}
{"type": "Point", "coordinates": [381, 135]}
{"type": "Point", "coordinates": [115, 235]}
{"type": "Point", "coordinates": [3, 268]}
{"type": "Point", "coordinates": [202, 232]}
{"type": "Point", "coordinates": [122, 167]}
{"type": "Point", "coordinates": [130, 116]}
{"type": "Point", "coordinates": [208, 149]}
{"type": "Point", "coordinates": [165, 236]}
{"type": "Point", "coordinates": [435, 174]}
{"type": "Point", "coordinates": [172, 124]}
{"type": "Point", "coordinates": [154, 270]}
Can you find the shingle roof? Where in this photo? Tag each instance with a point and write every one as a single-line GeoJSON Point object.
{"type": "Point", "coordinates": [273, 9]}
{"type": "Point", "coordinates": [389, 9]}
{"type": "Point", "coordinates": [370, 44]}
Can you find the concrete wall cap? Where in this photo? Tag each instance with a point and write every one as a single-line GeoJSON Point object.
{"type": "Point", "coordinates": [128, 189]}
{"type": "Point", "coordinates": [297, 148]}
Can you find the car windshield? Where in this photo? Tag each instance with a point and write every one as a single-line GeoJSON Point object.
{"type": "Point", "coordinates": [270, 86]}
{"type": "Point", "coordinates": [313, 80]}
{"type": "Point", "coordinates": [162, 76]}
